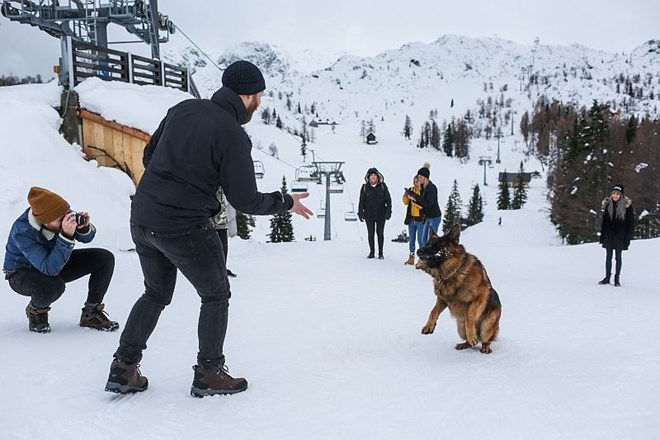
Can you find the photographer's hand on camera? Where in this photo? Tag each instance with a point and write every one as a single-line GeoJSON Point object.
{"type": "Point", "coordinates": [69, 225]}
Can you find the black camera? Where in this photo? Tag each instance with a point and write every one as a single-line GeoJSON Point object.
{"type": "Point", "coordinates": [81, 219]}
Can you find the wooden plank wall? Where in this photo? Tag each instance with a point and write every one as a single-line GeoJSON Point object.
{"type": "Point", "coordinates": [112, 144]}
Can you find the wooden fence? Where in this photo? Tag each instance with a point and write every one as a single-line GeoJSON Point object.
{"type": "Point", "coordinates": [94, 61]}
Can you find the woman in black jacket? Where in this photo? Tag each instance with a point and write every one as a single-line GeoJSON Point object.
{"type": "Point", "coordinates": [375, 208]}
{"type": "Point", "coordinates": [616, 230]}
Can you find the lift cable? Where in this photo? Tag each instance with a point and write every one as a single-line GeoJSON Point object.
{"type": "Point", "coordinates": [197, 47]}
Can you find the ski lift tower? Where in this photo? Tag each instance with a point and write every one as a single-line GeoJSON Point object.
{"type": "Point", "coordinates": [86, 21]}
{"type": "Point", "coordinates": [499, 136]}
{"type": "Point", "coordinates": [329, 170]}
{"type": "Point", "coordinates": [486, 161]}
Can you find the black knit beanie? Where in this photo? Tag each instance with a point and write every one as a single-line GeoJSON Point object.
{"type": "Point", "coordinates": [425, 172]}
{"type": "Point", "coordinates": [244, 78]}
{"type": "Point", "coordinates": [618, 187]}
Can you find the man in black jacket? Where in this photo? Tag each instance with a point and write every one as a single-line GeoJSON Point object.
{"type": "Point", "coordinates": [199, 147]}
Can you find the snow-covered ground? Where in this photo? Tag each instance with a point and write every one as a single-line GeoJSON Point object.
{"type": "Point", "coordinates": [329, 341]}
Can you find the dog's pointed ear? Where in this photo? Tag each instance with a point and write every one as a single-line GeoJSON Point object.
{"type": "Point", "coordinates": [432, 233]}
{"type": "Point", "coordinates": [454, 233]}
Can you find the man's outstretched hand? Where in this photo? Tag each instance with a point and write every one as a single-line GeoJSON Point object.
{"type": "Point", "coordinates": [299, 208]}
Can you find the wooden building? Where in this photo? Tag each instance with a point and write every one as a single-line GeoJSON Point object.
{"type": "Point", "coordinates": [512, 179]}
{"type": "Point", "coordinates": [112, 144]}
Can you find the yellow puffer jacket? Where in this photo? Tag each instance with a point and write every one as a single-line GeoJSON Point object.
{"type": "Point", "coordinates": [414, 210]}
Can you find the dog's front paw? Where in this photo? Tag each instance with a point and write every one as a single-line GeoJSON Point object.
{"type": "Point", "coordinates": [428, 329]}
{"type": "Point", "coordinates": [473, 341]}
{"type": "Point", "coordinates": [485, 349]}
{"type": "Point", "coordinates": [462, 346]}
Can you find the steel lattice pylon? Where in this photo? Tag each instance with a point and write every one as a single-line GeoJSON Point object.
{"type": "Point", "coordinates": [87, 20]}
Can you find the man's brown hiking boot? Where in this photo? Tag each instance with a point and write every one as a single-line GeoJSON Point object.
{"type": "Point", "coordinates": [37, 319]}
{"type": "Point", "coordinates": [95, 317]}
{"type": "Point", "coordinates": [410, 260]}
{"type": "Point", "coordinates": [215, 380]}
{"type": "Point", "coordinates": [125, 378]}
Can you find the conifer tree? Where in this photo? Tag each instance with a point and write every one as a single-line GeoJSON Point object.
{"type": "Point", "coordinates": [461, 140]}
{"type": "Point", "coordinates": [243, 224]}
{"type": "Point", "coordinates": [525, 127]}
{"type": "Point", "coordinates": [453, 209]}
{"type": "Point", "coordinates": [448, 141]}
{"type": "Point", "coordinates": [435, 135]}
{"type": "Point", "coordinates": [519, 193]}
{"type": "Point", "coordinates": [503, 198]}
{"type": "Point", "coordinates": [475, 208]}
{"type": "Point", "coordinates": [281, 229]}
{"type": "Point", "coordinates": [582, 176]}
{"type": "Point", "coordinates": [407, 128]}
{"type": "Point", "coordinates": [265, 116]}
{"type": "Point", "coordinates": [278, 123]}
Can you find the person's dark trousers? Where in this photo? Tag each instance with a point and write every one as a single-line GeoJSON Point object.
{"type": "Point", "coordinates": [222, 233]}
{"type": "Point", "coordinates": [377, 226]}
{"type": "Point", "coordinates": [198, 254]}
{"type": "Point", "coordinates": [608, 261]}
{"type": "Point", "coordinates": [44, 290]}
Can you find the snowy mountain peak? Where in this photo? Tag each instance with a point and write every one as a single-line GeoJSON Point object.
{"type": "Point", "coordinates": [647, 55]}
{"type": "Point", "coordinates": [270, 59]}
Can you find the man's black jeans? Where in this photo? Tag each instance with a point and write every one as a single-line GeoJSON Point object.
{"type": "Point", "coordinates": [44, 290]}
{"type": "Point", "coordinates": [198, 254]}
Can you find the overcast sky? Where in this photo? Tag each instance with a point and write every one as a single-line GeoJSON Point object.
{"type": "Point", "coordinates": [366, 27]}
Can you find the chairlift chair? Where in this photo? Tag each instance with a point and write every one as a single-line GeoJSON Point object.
{"type": "Point", "coordinates": [320, 213]}
{"type": "Point", "coordinates": [306, 173]}
{"type": "Point", "coordinates": [336, 188]}
{"type": "Point", "coordinates": [258, 169]}
{"type": "Point", "coordinates": [298, 186]}
{"type": "Point", "coordinates": [350, 216]}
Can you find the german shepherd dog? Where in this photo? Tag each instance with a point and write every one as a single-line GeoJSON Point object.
{"type": "Point", "coordinates": [462, 285]}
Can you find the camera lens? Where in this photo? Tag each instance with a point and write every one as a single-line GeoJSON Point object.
{"type": "Point", "coordinates": [80, 219]}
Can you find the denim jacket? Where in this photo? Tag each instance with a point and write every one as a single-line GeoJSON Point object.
{"type": "Point", "coordinates": [31, 245]}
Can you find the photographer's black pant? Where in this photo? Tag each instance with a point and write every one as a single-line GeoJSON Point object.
{"type": "Point", "coordinates": [199, 255]}
{"type": "Point", "coordinates": [44, 290]}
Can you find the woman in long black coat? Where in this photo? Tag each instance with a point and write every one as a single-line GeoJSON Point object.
{"type": "Point", "coordinates": [616, 231]}
{"type": "Point", "coordinates": [375, 208]}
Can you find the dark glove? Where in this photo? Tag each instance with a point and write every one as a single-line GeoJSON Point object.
{"type": "Point", "coordinates": [361, 218]}
{"type": "Point", "coordinates": [388, 216]}
{"type": "Point", "coordinates": [626, 245]}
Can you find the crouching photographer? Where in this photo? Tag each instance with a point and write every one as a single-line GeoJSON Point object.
{"type": "Point", "coordinates": [40, 260]}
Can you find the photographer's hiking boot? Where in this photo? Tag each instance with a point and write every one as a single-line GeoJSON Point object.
{"type": "Point", "coordinates": [94, 317]}
{"type": "Point", "coordinates": [605, 280]}
{"type": "Point", "coordinates": [125, 378]}
{"type": "Point", "coordinates": [410, 260]}
{"type": "Point", "coordinates": [37, 319]}
{"type": "Point", "coordinates": [215, 380]}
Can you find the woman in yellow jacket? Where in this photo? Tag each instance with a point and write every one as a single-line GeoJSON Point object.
{"type": "Point", "coordinates": [415, 221]}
